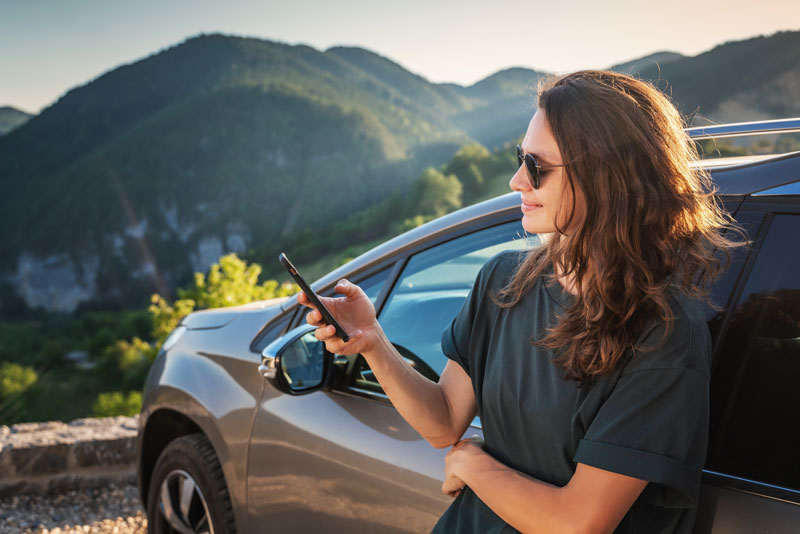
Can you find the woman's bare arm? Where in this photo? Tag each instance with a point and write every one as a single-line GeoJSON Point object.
{"type": "Point", "coordinates": [593, 501]}
{"type": "Point", "coordinates": [440, 412]}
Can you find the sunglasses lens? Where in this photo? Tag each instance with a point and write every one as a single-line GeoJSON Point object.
{"type": "Point", "coordinates": [533, 170]}
{"type": "Point", "coordinates": [530, 165]}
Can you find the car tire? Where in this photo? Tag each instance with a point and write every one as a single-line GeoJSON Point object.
{"type": "Point", "coordinates": [187, 491]}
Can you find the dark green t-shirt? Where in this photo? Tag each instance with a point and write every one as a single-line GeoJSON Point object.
{"type": "Point", "coordinates": [647, 419]}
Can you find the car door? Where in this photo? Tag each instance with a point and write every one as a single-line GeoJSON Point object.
{"type": "Point", "coordinates": [752, 477]}
{"type": "Point", "coordinates": [344, 460]}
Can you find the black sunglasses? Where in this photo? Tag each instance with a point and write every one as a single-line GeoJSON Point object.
{"type": "Point", "coordinates": [533, 167]}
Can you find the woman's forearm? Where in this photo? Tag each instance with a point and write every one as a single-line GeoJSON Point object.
{"type": "Point", "coordinates": [421, 402]}
{"type": "Point", "coordinates": [527, 504]}
{"type": "Point", "coordinates": [594, 501]}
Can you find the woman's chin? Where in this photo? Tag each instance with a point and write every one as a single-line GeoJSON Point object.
{"type": "Point", "coordinates": [536, 226]}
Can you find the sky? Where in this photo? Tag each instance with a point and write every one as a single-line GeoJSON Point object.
{"type": "Point", "coordinates": [50, 46]}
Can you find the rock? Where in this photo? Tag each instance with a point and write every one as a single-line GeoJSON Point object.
{"type": "Point", "coordinates": [110, 452]}
{"type": "Point", "coordinates": [31, 461]}
{"type": "Point", "coordinates": [55, 456]}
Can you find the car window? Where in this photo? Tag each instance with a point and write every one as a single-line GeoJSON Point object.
{"type": "Point", "coordinates": [750, 222]}
{"type": "Point", "coordinates": [372, 285]}
{"type": "Point", "coordinates": [754, 389]}
{"type": "Point", "coordinates": [429, 293]}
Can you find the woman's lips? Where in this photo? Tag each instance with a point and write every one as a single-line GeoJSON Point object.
{"type": "Point", "coordinates": [530, 207]}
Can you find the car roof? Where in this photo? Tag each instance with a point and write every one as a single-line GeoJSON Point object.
{"type": "Point", "coordinates": [755, 176]}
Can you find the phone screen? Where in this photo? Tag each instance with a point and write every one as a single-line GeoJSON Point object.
{"type": "Point", "coordinates": [312, 296]}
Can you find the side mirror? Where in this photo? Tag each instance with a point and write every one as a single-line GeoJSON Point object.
{"type": "Point", "coordinates": [297, 362]}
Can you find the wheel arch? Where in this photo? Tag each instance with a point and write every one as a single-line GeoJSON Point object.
{"type": "Point", "coordinates": [162, 427]}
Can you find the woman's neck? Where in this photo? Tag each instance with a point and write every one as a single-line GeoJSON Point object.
{"type": "Point", "coordinates": [567, 282]}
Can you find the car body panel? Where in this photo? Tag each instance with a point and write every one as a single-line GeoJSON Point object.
{"type": "Point", "coordinates": [211, 376]}
{"type": "Point", "coordinates": [723, 510]}
{"type": "Point", "coordinates": [342, 461]}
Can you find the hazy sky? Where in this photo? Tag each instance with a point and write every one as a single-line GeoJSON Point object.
{"type": "Point", "coordinates": [50, 46]}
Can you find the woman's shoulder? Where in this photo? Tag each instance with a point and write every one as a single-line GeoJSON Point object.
{"type": "Point", "coordinates": [685, 344]}
{"type": "Point", "coordinates": [499, 268]}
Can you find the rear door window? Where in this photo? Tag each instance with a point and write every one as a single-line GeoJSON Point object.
{"type": "Point", "coordinates": [755, 393]}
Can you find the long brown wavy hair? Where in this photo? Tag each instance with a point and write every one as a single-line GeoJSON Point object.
{"type": "Point", "coordinates": [647, 219]}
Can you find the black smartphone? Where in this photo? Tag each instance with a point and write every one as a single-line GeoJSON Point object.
{"type": "Point", "coordinates": [313, 297]}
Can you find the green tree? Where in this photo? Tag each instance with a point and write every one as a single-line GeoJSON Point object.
{"type": "Point", "coordinates": [15, 378]}
{"type": "Point", "coordinates": [469, 165]}
{"type": "Point", "coordinates": [436, 194]}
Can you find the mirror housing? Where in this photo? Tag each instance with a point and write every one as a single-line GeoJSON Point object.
{"type": "Point", "coordinates": [281, 365]}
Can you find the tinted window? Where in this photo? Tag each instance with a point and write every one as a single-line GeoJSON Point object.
{"type": "Point", "coordinates": [372, 285]}
{"type": "Point", "coordinates": [430, 292]}
{"type": "Point", "coordinates": [750, 221]}
{"type": "Point", "coordinates": [754, 387]}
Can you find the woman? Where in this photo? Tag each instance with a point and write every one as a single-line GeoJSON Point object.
{"type": "Point", "coordinates": [588, 357]}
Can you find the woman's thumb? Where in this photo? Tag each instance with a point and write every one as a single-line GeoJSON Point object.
{"type": "Point", "coordinates": [346, 288]}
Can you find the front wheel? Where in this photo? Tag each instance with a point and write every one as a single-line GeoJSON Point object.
{"type": "Point", "coordinates": [187, 492]}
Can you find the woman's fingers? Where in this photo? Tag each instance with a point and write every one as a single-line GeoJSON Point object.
{"type": "Point", "coordinates": [452, 488]}
{"type": "Point", "coordinates": [314, 318]}
{"type": "Point", "coordinates": [324, 332]}
{"type": "Point", "coordinates": [334, 344]}
{"type": "Point", "coordinates": [303, 299]}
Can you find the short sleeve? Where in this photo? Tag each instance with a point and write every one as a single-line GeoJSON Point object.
{"type": "Point", "coordinates": [457, 337]}
{"type": "Point", "coordinates": [653, 426]}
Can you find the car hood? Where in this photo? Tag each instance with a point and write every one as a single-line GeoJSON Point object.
{"type": "Point", "coordinates": [219, 317]}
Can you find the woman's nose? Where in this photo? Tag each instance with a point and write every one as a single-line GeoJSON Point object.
{"type": "Point", "coordinates": [519, 182]}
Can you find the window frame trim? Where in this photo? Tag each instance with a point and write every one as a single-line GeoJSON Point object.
{"type": "Point", "coordinates": [753, 487]}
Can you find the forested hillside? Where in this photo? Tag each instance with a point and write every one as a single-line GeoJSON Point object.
{"type": "Point", "coordinates": [737, 81]}
{"type": "Point", "coordinates": [130, 183]}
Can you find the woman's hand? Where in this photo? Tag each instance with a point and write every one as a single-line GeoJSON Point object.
{"type": "Point", "coordinates": [460, 457]}
{"type": "Point", "coordinates": [355, 313]}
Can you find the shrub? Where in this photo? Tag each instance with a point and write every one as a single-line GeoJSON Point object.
{"type": "Point", "coordinates": [229, 283]}
{"type": "Point", "coordinates": [15, 378]}
{"type": "Point", "coordinates": [115, 403]}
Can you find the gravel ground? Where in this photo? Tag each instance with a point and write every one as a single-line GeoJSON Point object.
{"type": "Point", "coordinates": [113, 510]}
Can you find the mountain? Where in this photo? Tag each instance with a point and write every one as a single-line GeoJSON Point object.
{"type": "Point", "coordinates": [653, 60]}
{"type": "Point", "coordinates": [130, 183]}
{"type": "Point", "coordinates": [753, 79]}
{"type": "Point", "coordinates": [510, 100]}
{"type": "Point", "coordinates": [10, 118]}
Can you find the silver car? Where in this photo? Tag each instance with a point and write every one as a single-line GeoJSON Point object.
{"type": "Point", "coordinates": [249, 425]}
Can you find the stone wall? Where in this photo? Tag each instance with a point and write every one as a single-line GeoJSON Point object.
{"type": "Point", "coordinates": [55, 457]}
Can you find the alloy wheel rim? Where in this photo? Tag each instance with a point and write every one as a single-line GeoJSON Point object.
{"type": "Point", "coordinates": [182, 504]}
